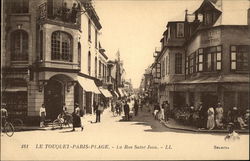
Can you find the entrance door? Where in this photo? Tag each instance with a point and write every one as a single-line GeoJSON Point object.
{"type": "Point", "coordinates": [53, 97]}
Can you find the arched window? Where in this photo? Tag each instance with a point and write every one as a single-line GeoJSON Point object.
{"type": "Point", "coordinates": [79, 54]}
{"type": "Point", "coordinates": [95, 66]}
{"type": "Point", "coordinates": [19, 45]}
{"type": "Point", "coordinates": [61, 46]}
{"type": "Point", "coordinates": [89, 63]}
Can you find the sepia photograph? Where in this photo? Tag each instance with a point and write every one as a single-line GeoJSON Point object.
{"type": "Point", "coordinates": [125, 79]}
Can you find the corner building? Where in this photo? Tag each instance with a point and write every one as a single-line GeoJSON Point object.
{"type": "Point", "coordinates": [50, 54]}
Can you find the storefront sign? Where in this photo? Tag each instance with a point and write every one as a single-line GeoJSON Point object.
{"type": "Point", "coordinates": [210, 37]}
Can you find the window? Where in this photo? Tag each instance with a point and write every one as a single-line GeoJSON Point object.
{"type": "Point", "coordinates": [178, 63]}
{"type": "Point", "coordinates": [95, 67]}
{"type": "Point", "coordinates": [212, 58]}
{"type": "Point", "coordinates": [41, 45]}
{"type": "Point", "coordinates": [200, 60]}
{"type": "Point", "coordinates": [16, 103]}
{"type": "Point", "coordinates": [19, 6]}
{"type": "Point", "coordinates": [191, 64]}
{"type": "Point", "coordinates": [89, 63]}
{"type": "Point", "coordinates": [89, 30]}
{"type": "Point", "coordinates": [79, 54]}
{"type": "Point", "coordinates": [61, 46]}
{"type": "Point", "coordinates": [240, 57]}
{"type": "Point", "coordinates": [19, 45]}
{"type": "Point", "coordinates": [96, 39]}
{"type": "Point", "coordinates": [208, 18]}
{"type": "Point", "coordinates": [163, 68]}
{"type": "Point", "coordinates": [169, 32]}
{"type": "Point", "coordinates": [180, 30]}
{"type": "Point", "coordinates": [166, 65]}
{"type": "Point", "coordinates": [100, 69]}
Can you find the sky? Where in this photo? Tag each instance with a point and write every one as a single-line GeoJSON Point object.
{"type": "Point", "coordinates": [135, 28]}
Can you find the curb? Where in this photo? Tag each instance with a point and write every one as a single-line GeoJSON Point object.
{"type": "Point", "coordinates": [202, 131]}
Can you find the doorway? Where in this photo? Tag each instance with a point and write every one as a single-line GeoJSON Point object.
{"type": "Point", "coordinates": [53, 98]}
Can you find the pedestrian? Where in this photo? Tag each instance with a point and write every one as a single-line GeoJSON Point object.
{"type": "Point", "coordinates": [219, 116]}
{"type": "Point", "coordinates": [99, 111]}
{"type": "Point", "coordinates": [42, 114]}
{"type": "Point", "coordinates": [4, 114]}
{"type": "Point", "coordinates": [202, 115]}
{"type": "Point", "coordinates": [126, 111]}
{"type": "Point", "coordinates": [156, 110]}
{"type": "Point", "coordinates": [233, 135]}
{"type": "Point", "coordinates": [76, 118]}
{"type": "Point", "coordinates": [210, 118]}
{"type": "Point", "coordinates": [166, 111]}
{"type": "Point", "coordinates": [136, 107]}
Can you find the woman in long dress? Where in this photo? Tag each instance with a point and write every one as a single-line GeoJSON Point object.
{"type": "Point", "coordinates": [219, 116]}
{"type": "Point", "coordinates": [210, 119]}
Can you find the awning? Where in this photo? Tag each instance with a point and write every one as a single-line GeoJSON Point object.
{"type": "Point", "coordinates": [88, 85]}
{"type": "Point", "coordinates": [105, 92]}
{"type": "Point", "coordinates": [15, 89]}
{"type": "Point", "coordinates": [120, 91]}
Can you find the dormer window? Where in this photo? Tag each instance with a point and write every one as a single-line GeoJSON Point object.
{"type": "Point", "coordinates": [208, 18]}
{"type": "Point", "coordinates": [180, 30]}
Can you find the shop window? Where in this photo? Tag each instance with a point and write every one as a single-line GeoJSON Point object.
{"type": "Point", "coordinates": [19, 45]}
{"type": "Point", "coordinates": [178, 63]}
{"type": "Point", "coordinates": [240, 57]}
{"type": "Point", "coordinates": [180, 30]}
{"type": "Point", "coordinates": [61, 46]}
{"type": "Point", "coordinates": [19, 6]}
{"type": "Point", "coordinates": [16, 103]}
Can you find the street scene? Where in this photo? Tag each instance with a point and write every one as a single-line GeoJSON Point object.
{"type": "Point", "coordinates": [112, 80]}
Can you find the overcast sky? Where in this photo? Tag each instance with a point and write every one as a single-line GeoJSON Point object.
{"type": "Point", "coordinates": [135, 27]}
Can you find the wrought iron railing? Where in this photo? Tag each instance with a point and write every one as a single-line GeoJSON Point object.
{"type": "Point", "coordinates": [58, 13]}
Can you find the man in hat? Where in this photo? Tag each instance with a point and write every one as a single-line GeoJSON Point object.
{"type": "Point", "coordinates": [4, 114]}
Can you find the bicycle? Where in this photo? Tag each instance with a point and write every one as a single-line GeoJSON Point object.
{"type": "Point", "coordinates": [62, 119]}
{"type": "Point", "coordinates": [8, 129]}
{"type": "Point", "coordinates": [17, 123]}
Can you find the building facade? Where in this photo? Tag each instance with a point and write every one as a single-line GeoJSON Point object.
{"type": "Point", "coordinates": [51, 56]}
{"type": "Point", "coordinates": [205, 57]}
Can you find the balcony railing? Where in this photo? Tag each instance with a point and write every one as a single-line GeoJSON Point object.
{"type": "Point", "coordinates": [59, 14]}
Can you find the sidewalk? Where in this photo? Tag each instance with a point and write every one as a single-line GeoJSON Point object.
{"type": "Point", "coordinates": [172, 124]}
{"type": "Point", "coordinates": [88, 118]}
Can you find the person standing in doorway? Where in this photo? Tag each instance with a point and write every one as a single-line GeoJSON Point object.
{"type": "Point", "coordinates": [156, 110]}
{"type": "Point", "coordinates": [42, 114]}
{"type": "Point", "coordinates": [166, 111]}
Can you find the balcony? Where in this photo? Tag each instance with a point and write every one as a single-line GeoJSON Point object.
{"type": "Point", "coordinates": [58, 16]}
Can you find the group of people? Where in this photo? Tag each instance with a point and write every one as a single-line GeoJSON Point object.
{"type": "Point", "coordinates": [212, 117]}
{"type": "Point", "coordinates": [162, 112]}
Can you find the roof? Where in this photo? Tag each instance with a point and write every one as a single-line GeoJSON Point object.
{"type": "Point", "coordinates": [232, 12]}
